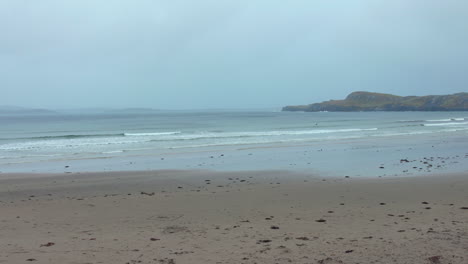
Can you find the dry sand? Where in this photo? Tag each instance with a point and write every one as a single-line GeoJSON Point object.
{"type": "Point", "coordinates": [243, 217]}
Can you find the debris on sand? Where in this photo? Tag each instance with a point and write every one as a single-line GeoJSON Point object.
{"type": "Point", "coordinates": [435, 259]}
{"type": "Point", "coordinates": [329, 261]}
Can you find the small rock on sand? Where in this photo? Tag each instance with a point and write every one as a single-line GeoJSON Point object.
{"type": "Point", "coordinates": [48, 244]}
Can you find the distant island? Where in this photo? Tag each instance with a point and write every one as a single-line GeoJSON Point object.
{"type": "Point", "coordinates": [367, 101]}
{"type": "Point", "coordinates": [19, 111]}
{"type": "Point", "coordinates": [16, 110]}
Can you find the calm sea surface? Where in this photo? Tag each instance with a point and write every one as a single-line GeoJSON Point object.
{"type": "Point", "coordinates": [36, 139]}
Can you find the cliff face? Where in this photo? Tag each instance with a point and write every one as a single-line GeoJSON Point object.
{"type": "Point", "coordinates": [366, 101]}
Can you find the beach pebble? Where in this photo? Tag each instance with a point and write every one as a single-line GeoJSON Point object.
{"type": "Point", "coordinates": [48, 244]}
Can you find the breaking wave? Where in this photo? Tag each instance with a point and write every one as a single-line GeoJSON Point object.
{"type": "Point", "coordinates": [75, 141]}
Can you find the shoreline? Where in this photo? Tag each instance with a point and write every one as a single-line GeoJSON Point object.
{"type": "Point", "coordinates": [187, 173]}
{"type": "Point", "coordinates": [233, 217]}
{"type": "Point", "coordinates": [356, 158]}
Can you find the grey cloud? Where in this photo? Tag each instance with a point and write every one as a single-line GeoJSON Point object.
{"type": "Point", "coordinates": [233, 54]}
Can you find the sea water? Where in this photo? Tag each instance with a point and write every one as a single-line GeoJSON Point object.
{"type": "Point", "coordinates": [189, 139]}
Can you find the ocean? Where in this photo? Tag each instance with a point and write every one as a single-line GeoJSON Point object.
{"type": "Point", "coordinates": [195, 139]}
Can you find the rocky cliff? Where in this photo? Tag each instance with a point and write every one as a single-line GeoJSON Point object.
{"type": "Point", "coordinates": [367, 101]}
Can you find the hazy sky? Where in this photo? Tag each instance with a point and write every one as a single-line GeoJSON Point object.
{"type": "Point", "coordinates": [227, 54]}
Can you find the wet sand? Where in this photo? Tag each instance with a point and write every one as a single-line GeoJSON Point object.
{"type": "Point", "coordinates": [232, 217]}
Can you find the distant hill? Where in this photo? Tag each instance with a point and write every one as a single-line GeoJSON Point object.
{"type": "Point", "coordinates": [16, 110]}
{"type": "Point", "coordinates": [367, 101]}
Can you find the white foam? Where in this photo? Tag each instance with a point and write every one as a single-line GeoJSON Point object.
{"type": "Point", "coordinates": [447, 119]}
{"type": "Point", "coordinates": [137, 138]}
{"type": "Point", "coordinates": [256, 142]}
{"type": "Point", "coordinates": [151, 134]}
{"type": "Point", "coordinates": [452, 124]}
{"type": "Point", "coordinates": [206, 135]}
{"type": "Point", "coordinates": [406, 133]}
{"type": "Point", "coordinates": [64, 143]}
{"type": "Point", "coordinates": [113, 152]}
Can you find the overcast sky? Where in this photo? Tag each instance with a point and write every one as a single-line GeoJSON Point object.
{"type": "Point", "coordinates": [227, 54]}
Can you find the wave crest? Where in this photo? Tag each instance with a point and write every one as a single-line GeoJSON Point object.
{"type": "Point", "coordinates": [151, 134]}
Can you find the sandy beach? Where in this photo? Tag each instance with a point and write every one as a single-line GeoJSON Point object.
{"type": "Point", "coordinates": [234, 132]}
{"type": "Point", "coordinates": [232, 217]}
